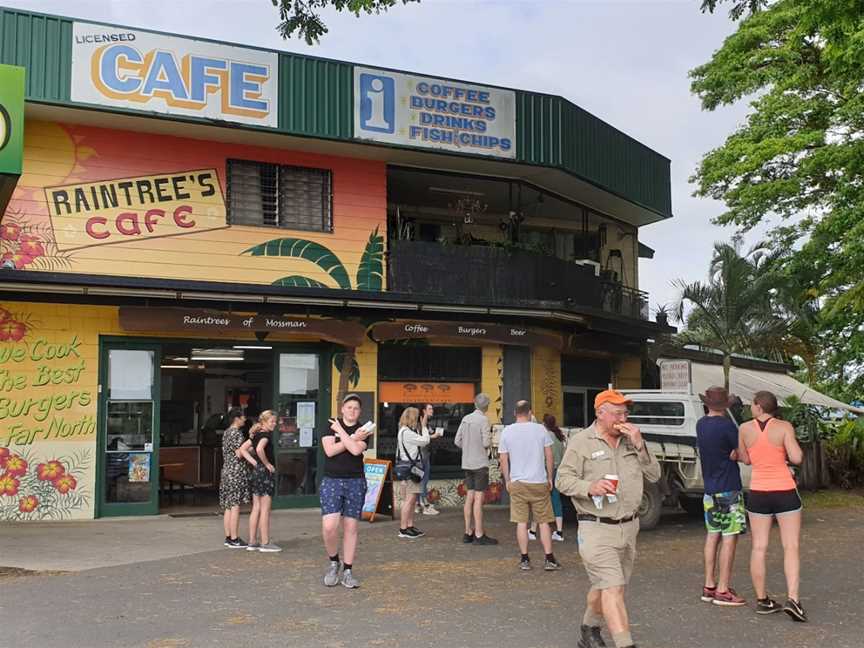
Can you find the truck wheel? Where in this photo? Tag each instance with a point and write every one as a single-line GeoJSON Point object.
{"type": "Point", "coordinates": [651, 506]}
{"type": "Point", "coordinates": [692, 506]}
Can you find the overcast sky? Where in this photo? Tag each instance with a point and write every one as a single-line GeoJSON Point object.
{"type": "Point", "coordinates": [625, 62]}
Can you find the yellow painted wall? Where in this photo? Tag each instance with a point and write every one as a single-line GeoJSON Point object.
{"type": "Point", "coordinates": [546, 383]}
{"type": "Point", "coordinates": [492, 380]}
{"type": "Point", "coordinates": [48, 409]}
{"type": "Point", "coordinates": [366, 357]}
{"type": "Point", "coordinates": [48, 405]}
{"type": "Point", "coordinates": [627, 373]}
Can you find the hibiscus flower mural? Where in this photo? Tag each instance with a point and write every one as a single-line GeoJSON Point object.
{"type": "Point", "coordinates": [25, 245]}
{"type": "Point", "coordinates": [42, 490]}
{"type": "Point", "coordinates": [28, 504]}
{"type": "Point", "coordinates": [14, 326]}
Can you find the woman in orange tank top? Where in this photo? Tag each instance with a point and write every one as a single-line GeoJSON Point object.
{"type": "Point", "coordinates": [768, 444]}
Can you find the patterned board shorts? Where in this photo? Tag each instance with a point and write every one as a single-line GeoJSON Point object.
{"type": "Point", "coordinates": [725, 513]}
{"type": "Point", "coordinates": [343, 495]}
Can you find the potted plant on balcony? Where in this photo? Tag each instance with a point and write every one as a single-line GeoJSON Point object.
{"type": "Point", "coordinates": [661, 315]}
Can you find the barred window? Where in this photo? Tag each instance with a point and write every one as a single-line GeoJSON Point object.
{"type": "Point", "coordinates": [273, 195]}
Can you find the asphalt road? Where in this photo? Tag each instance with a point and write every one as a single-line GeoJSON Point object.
{"type": "Point", "coordinates": [433, 592]}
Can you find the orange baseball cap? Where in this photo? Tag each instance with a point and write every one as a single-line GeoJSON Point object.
{"type": "Point", "coordinates": [611, 396]}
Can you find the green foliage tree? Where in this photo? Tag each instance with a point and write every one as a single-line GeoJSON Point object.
{"type": "Point", "coordinates": [799, 158]}
{"type": "Point", "coordinates": [303, 16]}
{"type": "Point", "coordinates": [732, 312]}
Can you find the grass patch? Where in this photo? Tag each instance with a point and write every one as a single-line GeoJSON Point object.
{"type": "Point", "coordinates": [834, 498]}
{"type": "Point", "coordinates": [17, 572]}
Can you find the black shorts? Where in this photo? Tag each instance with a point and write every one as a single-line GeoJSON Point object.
{"type": "Point", "coordinates": [772, 503]}
{"type": "Point", "coordinates": [477, 480]}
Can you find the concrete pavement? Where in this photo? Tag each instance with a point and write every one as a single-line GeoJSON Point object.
{"type": "Point", "coordinates": [428, 592]}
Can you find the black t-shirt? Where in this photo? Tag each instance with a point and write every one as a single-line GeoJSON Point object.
{"type": "Point", "coordinates": [268, 449]}
{"type": "Point", "coordinates": [343, 465]}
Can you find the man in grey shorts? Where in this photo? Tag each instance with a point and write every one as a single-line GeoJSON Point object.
{"type": "Point", "coordinates": [474, 438]}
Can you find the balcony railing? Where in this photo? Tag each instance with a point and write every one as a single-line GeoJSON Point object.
{"type": "Point", "coordinates": [463, 274]}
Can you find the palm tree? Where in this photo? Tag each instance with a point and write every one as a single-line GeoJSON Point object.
{"type": "Point", "coordinates": [732, 312]}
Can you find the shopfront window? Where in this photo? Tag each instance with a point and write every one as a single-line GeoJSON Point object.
{"type": "Point", "coordinates": [296, 439]}
{"type": "Point", "coordinates": [129, 424]}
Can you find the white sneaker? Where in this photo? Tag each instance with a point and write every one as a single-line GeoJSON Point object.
{"type": "Point", "coordinates": [430, 510]}
{"type": "Point", "coordinates": [531, 535]}
{"type": "Point", "coordinates": [557, 537]}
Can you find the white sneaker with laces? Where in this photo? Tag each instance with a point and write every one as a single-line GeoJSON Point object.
{"type": "Point", "coordinates": [430, 510]}
{"type": "Point", "coordinates": [531, 535]}
{"type": "Point", "coordinates": [557, 537]}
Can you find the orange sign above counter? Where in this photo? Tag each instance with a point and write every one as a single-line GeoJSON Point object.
{"type": "Point", "coordinates": [426, 392]}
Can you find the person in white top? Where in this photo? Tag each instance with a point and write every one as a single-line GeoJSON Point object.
{"type": "Point", "coordinates": [408, 448]}
{"type": "Point", "coordinates": [525, 454]}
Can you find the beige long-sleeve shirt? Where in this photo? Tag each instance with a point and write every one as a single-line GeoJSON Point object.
{"type": "Point", "coordinates": [589, 457]}
{"type": "Point", "coordinates": [474, 436]}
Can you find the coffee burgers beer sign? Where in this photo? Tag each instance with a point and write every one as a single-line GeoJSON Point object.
{"type": "Point", "coordinates": [489, 333]}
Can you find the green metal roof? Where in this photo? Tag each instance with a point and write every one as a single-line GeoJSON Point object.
{"type": "Point", "coordinates": [316, 100]}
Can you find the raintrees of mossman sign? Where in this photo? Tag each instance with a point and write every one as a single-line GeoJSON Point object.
{"type": "Point", "coordinates": [420, 111]}
{"type": "Point", "coordinates": [140, 70]}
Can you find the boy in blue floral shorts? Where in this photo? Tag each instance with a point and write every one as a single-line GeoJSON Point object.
{"type": "Point", "coordinates": [725, 517]}
{"type": "Point", "coordinates": [343, 490]}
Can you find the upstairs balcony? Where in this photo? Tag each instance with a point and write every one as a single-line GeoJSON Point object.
{"type": "Point", "coordinates": [506, 277]}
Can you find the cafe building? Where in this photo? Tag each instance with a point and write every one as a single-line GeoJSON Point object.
{"type": "Point", "coordinates": [189, 226]}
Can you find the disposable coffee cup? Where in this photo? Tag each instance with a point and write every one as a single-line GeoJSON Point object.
{"type": "Point", "coordinates": [613, 479]}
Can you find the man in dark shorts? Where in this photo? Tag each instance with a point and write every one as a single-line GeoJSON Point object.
{"type": "Point", "coordinates": [343, 490]}
{"type": "Point", "coordinates": [725, 517]}
{"type": "Point", "coordinates": [474, 437]}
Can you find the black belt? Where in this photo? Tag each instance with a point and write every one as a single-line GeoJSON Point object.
{"type": "Point", "coordinates": [586, 517]}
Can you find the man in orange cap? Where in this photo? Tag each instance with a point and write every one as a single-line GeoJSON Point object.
{"type": "Point", "coordinates": [602, 471]}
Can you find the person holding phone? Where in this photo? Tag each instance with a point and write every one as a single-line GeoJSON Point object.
{"type": "Point", "coordinates": [262, 482]}
{"type": "Point", "coordinates": [343, 489]}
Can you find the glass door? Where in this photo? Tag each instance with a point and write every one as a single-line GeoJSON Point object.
{"type": "Point", "coordinates": [128, 459]}
{"type": "Point", "coordinates": [301, 395]}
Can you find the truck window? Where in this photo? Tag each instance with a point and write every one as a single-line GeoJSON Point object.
{"type": "Point", "coordinates": [656, 413]}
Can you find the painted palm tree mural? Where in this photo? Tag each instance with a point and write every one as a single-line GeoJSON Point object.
{"type": "Point", "coordinates": [370, 272]}
{"type": "Point", "coordinates": [370, 277]}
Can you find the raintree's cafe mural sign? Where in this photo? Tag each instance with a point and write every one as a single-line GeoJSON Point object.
{"type": "Point", "coordinates": [150, 72]}
{"type": "Point", "coordinates": [134, 209]}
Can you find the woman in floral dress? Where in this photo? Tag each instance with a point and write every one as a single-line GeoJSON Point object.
{"type": "Point", "coordinates": [234, 487]}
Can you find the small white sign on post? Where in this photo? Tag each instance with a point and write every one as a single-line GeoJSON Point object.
{"type": "Point", "coordinates": [675, 375]}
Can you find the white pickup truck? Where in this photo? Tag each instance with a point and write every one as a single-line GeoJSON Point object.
{"type": "Point", "coordinates": [668, 424]}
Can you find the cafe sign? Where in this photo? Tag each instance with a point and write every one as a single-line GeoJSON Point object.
{"type": "Point", "coordinates": [488, 333]}
{"type": "Point", "coordinates": [134, 318]}
{"type": "Point", "coordinates": [150, 72]}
